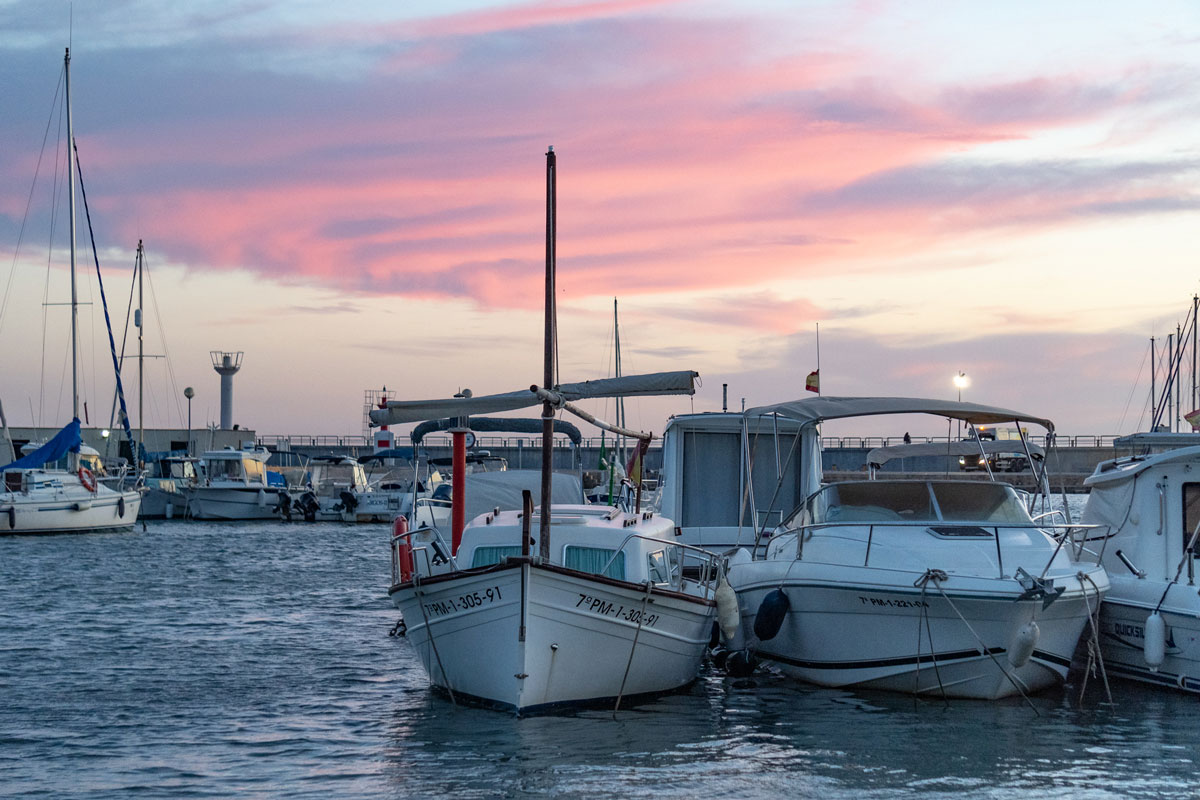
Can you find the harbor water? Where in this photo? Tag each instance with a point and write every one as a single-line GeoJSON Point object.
{"type": "Point", "coordinates": [253, 660]}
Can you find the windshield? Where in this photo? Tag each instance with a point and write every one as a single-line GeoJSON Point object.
{"type": "Point", "coordinates": [895, 501]}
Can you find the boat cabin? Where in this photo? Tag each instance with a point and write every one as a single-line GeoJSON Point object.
{"type": "Point", "coordinates": [706, 461]}
{"type": "Point", "coordinates": [235, 467]}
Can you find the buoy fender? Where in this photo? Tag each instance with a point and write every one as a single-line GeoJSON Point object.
{"type": "Point", "coordinates": [1154, 646]}
{"type": "Point", "coordinates": [1020, 649]}
{"type": "Point", "coordinates": [728, 615]}
{"type": "Point", "coordinates": [771, 613]}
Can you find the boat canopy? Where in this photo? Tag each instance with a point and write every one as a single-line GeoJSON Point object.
{"type": "Point", "coordinates": [495, 425]}
{"type": "Point", "coordinates": [810, 411]}
{"type": "Point", "coordinates": [881, 455]}
{"type": "Point", "coordinates": [653, 384]}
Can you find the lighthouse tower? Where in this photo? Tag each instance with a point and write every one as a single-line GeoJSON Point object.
{"type": "Point", "coordinates": [226, 364]}
{"type": "Point", "coordinates": [383, 438]}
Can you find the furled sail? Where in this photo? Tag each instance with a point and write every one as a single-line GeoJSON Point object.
{"type": "Point", "coordinates": [657, 383]}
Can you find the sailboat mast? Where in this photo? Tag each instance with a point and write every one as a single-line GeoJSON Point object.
{"type": "Point", "coordinates": [617, 374]}
{"type": "Point", "coordinates": [548, 376]}
{"type": "Point", "coordinates": [71, 212]}
{"type": "Point", "coordinates": [140, 321]}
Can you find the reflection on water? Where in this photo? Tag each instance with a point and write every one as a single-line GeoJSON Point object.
{"type": "Point", "coordinates": [253, 660]}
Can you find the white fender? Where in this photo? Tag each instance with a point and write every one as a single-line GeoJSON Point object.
{"type": "Point", "coordinates": [728, 616]}
{"type": "Point", "coordinates": [262, 498]}
{"type": "Point", "coordinates": [1154, 645]}
{"type": "Point", "coordinates": [169, 511]}
{"type": "Point", "coordinates": [1023, 643]}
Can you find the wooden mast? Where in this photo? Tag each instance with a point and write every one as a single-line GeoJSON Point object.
{"type": "Point", "coordinates": [548, 372]}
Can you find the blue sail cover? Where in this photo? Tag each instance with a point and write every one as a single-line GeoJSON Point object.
{"type": "Point", "coordinates": [68, 439]}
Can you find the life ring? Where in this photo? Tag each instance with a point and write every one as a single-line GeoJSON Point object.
{"type": "Point", "coordinates": [87, 479]}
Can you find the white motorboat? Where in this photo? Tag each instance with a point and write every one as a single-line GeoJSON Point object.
{"type": "Point", "coordinates": [167, 485]}
{"type": "Point", "coordinates": [338, 491]}
{"type": "Point", "coordinates": [945, 587]}
{"type": "Point", "coordinates": [233, 485]}
{"type": "Point", "coordinates": [37, 499]}
{"type": "Point", "coordinates": [1148, 508]}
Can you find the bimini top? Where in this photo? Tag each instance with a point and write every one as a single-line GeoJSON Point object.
{"type": "Point", "coordinates": [881, 455]}
{"type": "Point", "coordinates": [813, 410]}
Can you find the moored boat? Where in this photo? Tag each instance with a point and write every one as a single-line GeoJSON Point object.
{"type": "Point", "coordinates": [1147, 509]}
{"type": "Point", "coordinates": [945, 587]}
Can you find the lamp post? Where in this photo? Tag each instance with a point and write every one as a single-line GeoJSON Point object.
{"type": "Point", "coordinates": [189, 393]}
{"type": "Point", "coordinates": [961, 381]}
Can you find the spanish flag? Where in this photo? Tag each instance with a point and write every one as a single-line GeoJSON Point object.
{"type": "Point", "coordinates": [813, 382]}
{"type": "Point", "coordinates": [1193, 419]}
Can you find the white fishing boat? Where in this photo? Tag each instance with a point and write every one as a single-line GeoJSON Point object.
{"type": "Point", "coordinates": [167, 484]}
{"type": "Point", "coordinates": [944, 587]}
{"type": "Point", "coordinates": [1148, 510]}
{"type": "Point", "coordinates": [609, 615]}
{"type": "Point", "coordinates": [36, 499]}
{"type": "Point", "coordinates": [593, 607]}
{"type": "Point", "coordinates": [233, 486]}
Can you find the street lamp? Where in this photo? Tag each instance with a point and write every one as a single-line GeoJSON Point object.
{"type": "Point", "coordinates": [961, 381]}
{"type": "Point", "coordinates": [189, 393]}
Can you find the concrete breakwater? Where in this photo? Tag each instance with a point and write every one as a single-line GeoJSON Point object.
{"type": "Point", "coordinates": [1069, 465]}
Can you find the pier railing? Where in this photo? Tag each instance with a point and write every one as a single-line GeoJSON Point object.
{"type": "Point", "coordinates": [285, 442]}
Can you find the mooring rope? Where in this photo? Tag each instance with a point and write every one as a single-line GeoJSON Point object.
{"type": "Point", "coordinates": [429, 633]}
{"type": "Point", "coordinates": [633, 647]}
{"type": "Point", "coordinates": [937, 576]}
{"type": "Point", "coordinates": [1095, 655]}
{"type": "Point", "coordinates": [929, 633]}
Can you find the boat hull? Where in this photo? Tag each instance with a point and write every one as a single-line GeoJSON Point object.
{"type": "Point", "coordinates": [233, 504]}
{"type": "Point", "coordinates": [69, 512]}
{"type": "Point", "coordinates": [1122, 632]}
{"type": "Point", "coordinates": [582, 641]}
{"type": "Point", "coordinates": [888, 635]}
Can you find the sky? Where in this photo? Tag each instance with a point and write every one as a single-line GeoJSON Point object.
{"type": "Point", "coordinates": [353, 195]}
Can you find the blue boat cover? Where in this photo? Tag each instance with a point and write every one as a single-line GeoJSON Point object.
{"type": "Point", "coordinates": [68, 439]}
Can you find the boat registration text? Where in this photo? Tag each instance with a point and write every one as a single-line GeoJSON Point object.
{"type": "Point", "coordinates": [598, 605]}
{"type": "Point", "coordinates": [463, 602]}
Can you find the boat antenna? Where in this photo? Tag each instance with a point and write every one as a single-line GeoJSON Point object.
{"type": "Point", "coordinates": [548, 377]}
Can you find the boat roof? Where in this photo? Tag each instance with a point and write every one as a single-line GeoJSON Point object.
{"type": "Point", "coordinates": [1120, 469]}
{"type": "Point", "coordinates": [813, 410]}
{"type": "Point", "coordinates": [723, 421]}
{"type": "Point", "coordinates": [881, 455]}
{"type": "Point", "coordinates": [229, 454]}
{"type": "Point", "coordinates": [1158, 439]}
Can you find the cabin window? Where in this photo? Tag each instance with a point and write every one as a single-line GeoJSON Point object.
{"type": "Point", "coordinates": [663, 566]}
{"type": "Point", "coordinates": [255, 471]}
{"type": "Point", "coordinates": [979, 502]}
{"type": "Point", "coordinates": [486, 556]}
{"type": "Point", "coordinates": [223, 469]}
{"type": "Point", "coordinates": [593, 559]}
{"type": "Point", "coordinates": [1191, 512]}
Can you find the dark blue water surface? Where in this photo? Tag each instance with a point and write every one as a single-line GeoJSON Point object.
{"type": "Point", "coordinates": [252, 660]}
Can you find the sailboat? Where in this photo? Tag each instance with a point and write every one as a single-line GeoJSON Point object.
{"type": "Point", "coordinates": [36, 499]}
{"type": "Point", "coordinates": [594, 606]}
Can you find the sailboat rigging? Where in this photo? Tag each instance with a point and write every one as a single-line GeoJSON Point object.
{"type": "Point", "coordinates": [36, 499]}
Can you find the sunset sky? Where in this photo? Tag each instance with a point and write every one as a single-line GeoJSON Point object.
{"type": "Point", "coordinates": [352, 194]}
